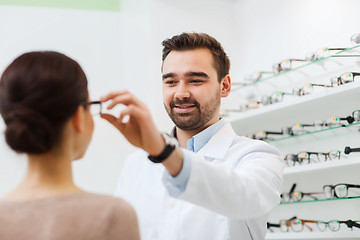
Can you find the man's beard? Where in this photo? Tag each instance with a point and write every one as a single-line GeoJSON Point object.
{"type": "Point", "coordinates": [197, 118]}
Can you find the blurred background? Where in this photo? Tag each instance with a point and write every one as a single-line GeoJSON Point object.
{"type": "Point", "coordinates": [118, 44]}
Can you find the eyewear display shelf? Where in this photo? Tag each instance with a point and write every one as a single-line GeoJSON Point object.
{"type": "Point", "coordinates": [321, 104]}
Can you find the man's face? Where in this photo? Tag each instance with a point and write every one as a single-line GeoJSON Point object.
{"type": "Point", "coordinates": [191, 90]}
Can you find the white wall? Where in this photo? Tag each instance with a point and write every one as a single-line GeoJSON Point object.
{"type": "Point", "coordinates": [117, 51]}
{"type": "Point", "coordinates": [100, 42]}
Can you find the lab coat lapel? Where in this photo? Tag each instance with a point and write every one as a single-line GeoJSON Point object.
{"type": "Point", "coordinates": [218, 145]}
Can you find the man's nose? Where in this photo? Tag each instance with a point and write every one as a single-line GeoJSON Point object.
{"type": "Point", "coordinates": [182, 92]}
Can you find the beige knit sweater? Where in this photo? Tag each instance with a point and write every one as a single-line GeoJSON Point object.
{"type": "Point", "coordinates": [80, 216]}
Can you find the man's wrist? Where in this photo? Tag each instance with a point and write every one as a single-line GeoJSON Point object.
{"type": "Point", "coordinates": [158, 147]}
{"type": "Point", "coordinates": [170, 146]}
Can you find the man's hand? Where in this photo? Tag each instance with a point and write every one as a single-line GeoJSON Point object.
{"type": "Point", "coordinates": [140, 129]}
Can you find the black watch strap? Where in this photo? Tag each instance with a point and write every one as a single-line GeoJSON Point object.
{"type": "Point", "coordinates": [163, 155]}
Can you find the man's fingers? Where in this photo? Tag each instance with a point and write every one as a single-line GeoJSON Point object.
{"type": "Point", "coordinates": [110, 118]}
{"type": "Point", "coordinates": [114, 121]}
{"type": "Point", "coordinates": [125, 99]}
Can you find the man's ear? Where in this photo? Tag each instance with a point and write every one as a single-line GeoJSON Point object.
{"type": "Point", "coordinates": [77, 119]}
{"type": "Point", "coordinates": [225, 86]}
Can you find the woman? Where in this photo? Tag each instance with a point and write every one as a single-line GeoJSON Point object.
{"type": "Point", "coordinates": [45, 105]}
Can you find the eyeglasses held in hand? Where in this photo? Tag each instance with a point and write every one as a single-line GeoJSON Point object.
{"type": "Point", "coordinates": [334, 225]}
{"type": "Point", "coordinates": [340, 190]}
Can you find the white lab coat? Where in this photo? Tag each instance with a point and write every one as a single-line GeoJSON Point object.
{"type": "Point", "coordinates": [234, 183]}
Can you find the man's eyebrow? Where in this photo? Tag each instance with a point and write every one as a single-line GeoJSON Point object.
{"type": "Point", "coordinates": [197, 74]}
{"type": "Point", "coordinates": [188, 74]}
{"type": "Point", "coordinates": [168, 75]}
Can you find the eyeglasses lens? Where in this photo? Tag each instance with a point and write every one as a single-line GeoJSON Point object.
{"type": "Point", "coordinates": [307, 89]}
{"type": "Point", "coordinates": [341, 191]}
{"type": "Point", "coordinates": [310, 57]}
{"type": "Point", "coordinates": [286, 64]}
{"type": "Point", "coordinates": [297, 196]}
{"type": "Point", "coordinates": [277, 97]}
{"type": "Point", "coordinates": [321, 225]}
{"type": "Point", "coordinates": [277, 68]}
{"type": "Point", "coordinates": [334, 225]}
{"type": "Point", "coordinates": [328, 192]}
{"type": "Point", "coordinates": [356, 115]}
{"type": "Point", "coordinates": [347, 77]}
{"type": "Point", "coordinates": [296, 225]}
{"type": "Point", "coordinates": [335, 81]}
{"type": "Point", "coordinates": [334, 155]}
{"type": "Point", "coordinates": [285, 197]}
{"type": "Point", "coordinates": [290, 159]}
{"type": "Point", "coordinates": [303, 157]}
{"type": "Point", "coordinates": [95, 109]}
{"type": "Point", "coordinates": [283, 226]}
{"type": "Point", "coordinates": [356, 38]}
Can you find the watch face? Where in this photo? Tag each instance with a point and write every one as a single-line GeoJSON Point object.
{"type": "Point", "coordinates": [170, 140]}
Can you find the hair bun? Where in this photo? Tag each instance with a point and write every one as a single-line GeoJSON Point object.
{"type": "Point", "coordinates": [28, 131]}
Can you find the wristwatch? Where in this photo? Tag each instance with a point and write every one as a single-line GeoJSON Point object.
{"type": "Point", "coordinates": [171, 144]}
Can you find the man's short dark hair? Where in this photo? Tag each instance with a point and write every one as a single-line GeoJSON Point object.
{"type": "Point", "coordinates": [191, 41]}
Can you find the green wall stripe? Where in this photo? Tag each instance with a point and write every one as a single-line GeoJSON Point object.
{"type": "Point", "coordinates": [102, 5]}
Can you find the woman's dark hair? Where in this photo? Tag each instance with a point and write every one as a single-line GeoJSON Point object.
{"type": "Point", "coordinates": [39, 92]}
{"type": "Point", "coordinates": [191, 41]}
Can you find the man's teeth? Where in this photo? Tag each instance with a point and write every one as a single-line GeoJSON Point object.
{"type": "Point", "coordinates": [183, 106]}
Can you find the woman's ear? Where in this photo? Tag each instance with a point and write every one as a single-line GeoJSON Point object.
{"type": "Point", "coordinates": [225, 86]}
{"type": "Point", "coordinates": [77, 119]}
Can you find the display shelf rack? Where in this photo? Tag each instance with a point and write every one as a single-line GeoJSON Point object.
{"type": "Point", "coordinates": [341, 54]}
{"type": "Point", "coordinates": [315, 167]}
{"type": "Point", "coordinates": [315, 235]}
{"type": "Point", "coordinates": [298, 110]}
{"type": "Point", "coordinates": [348, 128]}
{"type": "Point", "coordinates": [321, 200]}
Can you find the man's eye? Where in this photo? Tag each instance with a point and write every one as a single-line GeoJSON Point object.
{"type": "Point", "coordinates": [196, 81]}
{"type": "Point", "coordinates": [170, 82]}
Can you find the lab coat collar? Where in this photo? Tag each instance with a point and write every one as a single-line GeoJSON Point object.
{"type": "Point", "coordinates": [219, 144]}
